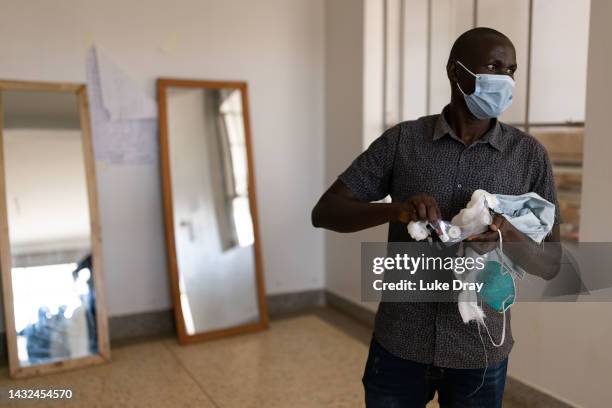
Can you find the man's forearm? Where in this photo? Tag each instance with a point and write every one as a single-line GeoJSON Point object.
{"type": "Point", "coordinates": [542, 260]}
{"type": "Point", "coordinates": [339, 214]}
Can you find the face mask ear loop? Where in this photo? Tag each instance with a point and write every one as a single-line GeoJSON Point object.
{"type": "Point", "coordinates": [464, 67]}
{"type": "Point", "coordinates": [501, 250]}
{"type": "Point", "coordinates": [459, 86]}
{"type": "Point", "coordinates": [503, 336]}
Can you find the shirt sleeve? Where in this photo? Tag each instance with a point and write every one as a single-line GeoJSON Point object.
{"type": "Point", "coordinates": [544, 181]}
{"type": "Point", "coordinates": [369, 175]}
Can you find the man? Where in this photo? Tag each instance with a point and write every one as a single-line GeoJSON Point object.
{"type": "Point", "coordinates": [430, 167]}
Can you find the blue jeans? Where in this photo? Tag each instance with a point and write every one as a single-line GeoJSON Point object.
{"type": "Point", "coordinates": [392, 382]}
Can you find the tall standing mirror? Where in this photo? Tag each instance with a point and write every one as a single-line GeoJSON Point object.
{"type": "Point", "coordinates": [50, 247]}
{"type": "Point", "coordinates": [209, 200]}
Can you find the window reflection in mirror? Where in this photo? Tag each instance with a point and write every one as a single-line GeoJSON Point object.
{"type": "Point", "coordinates": [211, 222]}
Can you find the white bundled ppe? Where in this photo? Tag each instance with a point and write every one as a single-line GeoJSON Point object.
{"type": "Point", "coordinates": [472, 220]}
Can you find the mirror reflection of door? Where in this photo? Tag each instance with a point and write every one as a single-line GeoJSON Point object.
{"type": "Point", "coordinates": [213, 225]}
{"type": "Point", "coordinates": [49, 228]}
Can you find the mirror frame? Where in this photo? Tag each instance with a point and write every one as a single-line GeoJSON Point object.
{"type": "Point", "coordinates": [103, 355]}
{"type": "Point", "coordinates": [183, 337]}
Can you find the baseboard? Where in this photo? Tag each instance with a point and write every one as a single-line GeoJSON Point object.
{"type": "Point", "coordinates": [134, 328]}
{"type": "Point", "coordinates": [354, 310]}
{"type": "Point", "coordinates": [526, 395]}
{"type": "Point", "coordinates": [140, 326]}
{"type": "Point", "coordinates": [282, 304]}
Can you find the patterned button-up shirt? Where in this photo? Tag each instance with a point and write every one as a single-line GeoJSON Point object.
{"type": "Point", "coordinates": [425, 155]}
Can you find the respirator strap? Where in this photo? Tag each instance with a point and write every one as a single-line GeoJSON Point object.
{"type": "Point", "coordinates": [503, 335]}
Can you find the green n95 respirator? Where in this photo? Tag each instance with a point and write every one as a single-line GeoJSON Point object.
{"type": "Point", "coordinates": [498, 290]}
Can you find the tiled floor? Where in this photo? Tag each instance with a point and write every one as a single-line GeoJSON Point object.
{"type": "Point", "coordinates": [313, 360]}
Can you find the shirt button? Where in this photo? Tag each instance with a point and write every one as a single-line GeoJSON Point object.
{"type": "Point", "coordinates": [459, 186]}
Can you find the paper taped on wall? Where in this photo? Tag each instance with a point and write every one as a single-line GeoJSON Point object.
{"type": "Point", "coordinates": [123, 117]}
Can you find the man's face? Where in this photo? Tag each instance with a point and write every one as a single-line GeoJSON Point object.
{"type": "Point", "coordinates": [490, 55]}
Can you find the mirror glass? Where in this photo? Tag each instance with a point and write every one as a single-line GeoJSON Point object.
{"type": "Point", "coordinates": [211, 215]}
{"type": "Point", "coordinates": [49, 227]}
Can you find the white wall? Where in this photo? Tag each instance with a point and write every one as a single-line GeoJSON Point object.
{"type": "Point", "coordinates": [46, 190]}
{"type": "Point", "coordinates": [275, 45]}
{"type": "Point", "coordinates": [597, 168]}
{"type": "Point", "coordinates": [373, 70]}
{"type": "Point", "coordinates": [560, 39]}
{"type": "Point", "coordinates": [564, 348]}
{"type": "Point", "coordinates": [343, 127]}
{"type": "Point", "coordinates": [512, 19]}
{"type": "Point", "coordinates": [449, 19]}
{"type": "Point", "coordinates": [415, 59]}
{"type": "Point", "coordinates": [353, 109]}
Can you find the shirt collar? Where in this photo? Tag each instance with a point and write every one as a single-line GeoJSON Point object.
{"type": "Point", "coordinates": [493, 137]}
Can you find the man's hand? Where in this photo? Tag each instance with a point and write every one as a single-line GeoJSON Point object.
{"type": "Point", "coordinates": [420, 207]}
{"type": "Point", "coordinates": [488, 240]}
{"type": "Point", "coordinates": [537, 259]}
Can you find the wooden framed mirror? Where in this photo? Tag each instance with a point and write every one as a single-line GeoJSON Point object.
{"type": "Point", "coordinates": [212, 234]}
{"type": "Point", "coordinates": [50, 244]}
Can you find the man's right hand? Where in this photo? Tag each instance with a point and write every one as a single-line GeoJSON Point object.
{"type": "Point", "coordinates": [419, 207]}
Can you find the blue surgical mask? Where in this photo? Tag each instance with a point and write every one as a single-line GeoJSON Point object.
{"type": "Point", "coordinates": [492, 94]}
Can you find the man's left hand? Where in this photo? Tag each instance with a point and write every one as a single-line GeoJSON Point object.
{"type": "Point", "coordinates": [488, 241]}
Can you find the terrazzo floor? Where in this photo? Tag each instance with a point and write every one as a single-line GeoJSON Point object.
{"type": "Point", "coordinates": [314, 360]}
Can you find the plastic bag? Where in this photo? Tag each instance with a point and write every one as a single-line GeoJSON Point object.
{"type": "Point", "coordinates": [446, 231]}
{"type": "Point", "coordinates": [451, 234]}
